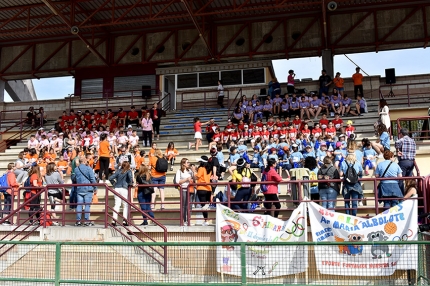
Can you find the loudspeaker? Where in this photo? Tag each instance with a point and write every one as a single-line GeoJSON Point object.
{"type": "Point", "coordinates": [390, 76]}
{"type": "Point", "coordinates": [146, 91]}
{"type": "Point", "coordinates": [263, 91]}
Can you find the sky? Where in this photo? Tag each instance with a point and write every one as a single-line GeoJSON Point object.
{"type": "Point", "coordinates": [406, 62]}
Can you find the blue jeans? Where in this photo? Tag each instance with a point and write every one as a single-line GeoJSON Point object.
{"type": "Point", "coordinates": [159, 181]}
{"type": "Point", "coordinates": [407, 167]}
{"type": "Point", "coordinates": [328, 197]}
{"type": "Point", "coordinates": [242, 194]}
{"type": "Point", "coordinates": [145, 205]}
{"type": "Point", "coordinates": [84, 198]}
{"type": "Point", "coordinates": [354, 195]}
{"type": "Point", "coordinates": [390, 203]}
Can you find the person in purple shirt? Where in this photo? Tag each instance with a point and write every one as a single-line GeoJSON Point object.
{"type": "Point", "coordinates": [336, 104]}
{"type": "Point", "coordinates": [254, 100]}
{"type": "Point", "coordinates": [315, 106]}
{"type": "Point", "coordinates": [267, 109]}
{"type": "Point", "coordinates": [258, 111]}
{"type": "Point", "coordinates": [277, 104]}
{"type": "Point", "coordinates": [326, 105]}
{"type": "Point", "coordinates": [294, 107]}
{"type": "Point", "coordinates": [248, 112]}
{"type": "Point", "coordinates": [360, 105]}
{"type": "Point", "coordinates": [285, 109]}
{"type": "Point", "coordinates": [304, 107]}
{"type": "Point", "coordinates": [291, 98]}
{"type": "Point", "coordinates": [346, 104]}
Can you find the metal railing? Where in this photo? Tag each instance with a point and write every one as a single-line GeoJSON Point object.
{"type": "Point", "coordinates": [195, 263]}
{"type": "Point", "coordinates": [390, 93]}
{"type": "Point", "coordinates": [113, 100]}
{"type": "Point", "coordinates": [209, 98]}
{"type": "Point", "coordinates": [418, 127]}
{"type": "Point", "coordinates": [24, 218]}
{"type": "Point", "coordinates": [234, 102]}
{"type": "Point", "coordinates": [17, 136]}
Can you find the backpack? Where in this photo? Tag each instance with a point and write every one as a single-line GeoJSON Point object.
{"type": "Point", "coordinates": [313, 176]}
{"type": "Point", "coordinates": [351, 176]}
{"type": "Point", "coordinates": [4, 183]}
{"type": "Point", "coordinates": [161, 165]}
{"type": "Point", "coordinates": [264, 187]}
{"type": "Point", "coordinates": [246, 177]}
{"type": "Point", "coordinates": [46, 218]}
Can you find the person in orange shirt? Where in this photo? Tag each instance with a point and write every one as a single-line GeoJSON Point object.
{"type": "Point", "coordinates": [152, 150]}
{"type": "Point", "coordinates": [62, 165]}
{"type": "Point", "coordinates": [104, 157]}
{"type": "Point", "coordinates": [338, 82]}
{"type": "Point", "coordinates": [13, 184]}
{"type": "Point", "coordinates": [158, 178]}
{"type": "Point", "coordinates": [203, 176]}
{"type": "Point", "coordinates": [171, 154]}
{"type": "Point", "coordinates": [358, 82]}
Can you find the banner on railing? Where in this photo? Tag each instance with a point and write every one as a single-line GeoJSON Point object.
{"type": "Point", "coordinates": [398, 223]}
{"type": "Point", "coordinates": [261, 261]}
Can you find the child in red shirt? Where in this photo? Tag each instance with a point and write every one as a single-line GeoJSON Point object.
{"type": "Point", "coordinates": [349, 128]}
{"type": "Point", "coordinates": [197, 133]}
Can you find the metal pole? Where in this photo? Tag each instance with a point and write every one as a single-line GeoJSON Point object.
{"type": "Point", "coordinates": [57, 263]}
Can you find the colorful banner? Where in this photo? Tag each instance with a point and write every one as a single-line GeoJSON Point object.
{"type": "Point", "coordinates": [398, 223]}
{"type": "Point", "coordinates": [261, 261]}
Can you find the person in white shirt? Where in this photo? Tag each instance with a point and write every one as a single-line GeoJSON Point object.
{"type": "Point", "coordinates": [54, 144]}
{"type": "Point", "coordinates": [33, 143]}
{"type": "Point", "coordinates": [43, 142]}
{"type": "Point", "coordinates": [133, 139]}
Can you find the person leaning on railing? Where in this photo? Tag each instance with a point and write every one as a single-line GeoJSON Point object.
{"type": "Point", "coordinates": [184, 176]}
{"type": "Point", "coordinates": [271, 195]}
{"type": "Point", "coordinates": [8, 193]}
{"type": "Point", "coordinates": [144, 193]}
{"type": "Point", "coordinates": [121, 180]}
{"type": "Point", "coordinates": [389, 189]}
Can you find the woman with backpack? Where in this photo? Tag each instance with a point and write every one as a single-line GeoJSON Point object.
{"type": "Point", "coordinates": [271, 195]}
{"type": "Point", "coordinates": [328, 191]}
{"type": "Point", "coordinates": [53, 177]}
{"type": "Point", "coordinates": [351, 169]}
{"type": "Point", "coordinates": [121, 179]}
{"type": "Point", "coordinates": [144, 193]}
{"type": "Point", "coordinates": [203, 178]}
{"type": "Point", "coordinates": [389, 189]}
{"type": "Point", "coordinates": [159, 166]}
{"type": "Point", "coordinates": [240, 173]}
{"type": "Point", "coordinates": [184, 176]}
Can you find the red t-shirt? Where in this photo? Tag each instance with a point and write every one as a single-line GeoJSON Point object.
{"type": "Point", "coordinates": [122, 114]}
{"type": "Point", "coordinates": [330, 131]}
{"type": "Point", "coordinates": [241, 127]}
{"type": "Point", "coordinates": [317, 131]}
{"type": "Point", "coordinates": [198, 126]}
{"type": "Point", "coordinates": [133, 115]}
{"type": "Point", "coordinates": [87, 117]}
{"type": "Point", "coordinates": [336, 122]}
{"type": "Point", "coordinates": [324, 123]}
{"type": "Point", "coordinates": [297, 123]}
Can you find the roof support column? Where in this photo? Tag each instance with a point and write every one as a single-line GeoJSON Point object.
{"type": "Point", "coordinates": [327, 62]}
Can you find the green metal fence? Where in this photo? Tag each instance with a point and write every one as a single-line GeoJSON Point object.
{"type": "Point", "coordinates": [48, 263]}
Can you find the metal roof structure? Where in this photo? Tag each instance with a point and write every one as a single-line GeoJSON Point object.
{"type": "Point", "coordinates": [197, 31]}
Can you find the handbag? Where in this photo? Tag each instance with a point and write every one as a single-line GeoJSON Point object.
{"type": "Point", "coordinates": [379, 184]}
{"type": "Point", "coordinates": [146, 190]}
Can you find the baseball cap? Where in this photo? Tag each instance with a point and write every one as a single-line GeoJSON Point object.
{"type": "Point", "coordinates": [128, 127]}
{"type": "Point", "coordinates": [323, 143]}
{"type": "Point", "coordinates": [273, 149]}
{"type": "Point", "coordinates": [349, 122]}
{"type": "Point", "coordinates": [309, 146]}
{"type": "Point", "coordinates": [294, 146]}
{"type": "Point", "coordinates": [256, 148]}
{"type": "Point", "coordinates": [41, 128]}
{"type": "Point", "coordinates": [341, 135]}
{"type": "Point", "coordinates": [240, 162]}
{"type": "Point", "coordinates": [203, 159]}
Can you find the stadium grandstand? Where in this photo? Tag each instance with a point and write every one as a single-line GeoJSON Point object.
{"type": "Point", "coordinates": [181, 159]}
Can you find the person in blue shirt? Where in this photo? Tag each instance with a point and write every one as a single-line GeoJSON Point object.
{"type": "Point", "coordinates": [234, 156]}
{"type": "Point", "coordinates": [321, 153]}
{"type": "Point", "coordinates": [296, 157]}
{"type": "Point", "coordinates": [309, 152]}
{"type": "Point", "coordinates": [383, 143]}
{"type": "Point", "coordinates": [339, 154]}
{"type": "Point", "coordinates": [389, 189]}
{"type": "Point", "coordinates": [369, 157]}
{"type": "Point", "coordinates": [257, 159]}
{"type": "Point", "coordinates": [351, 191]}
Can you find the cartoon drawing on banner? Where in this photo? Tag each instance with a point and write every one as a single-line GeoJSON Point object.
{"type": "Point", "coordinates": [379, 251]}
{"type": "Point", "coordinates": [225, 266]}
{"type": "Point", "coordinates": [228, 234]}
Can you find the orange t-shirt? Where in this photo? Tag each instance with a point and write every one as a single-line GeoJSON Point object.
{"type": "Point", "coordinates": [62, 165]}
{"type": "Point", "coordinates": [139, 161]}
{"type": "Point", "coordinates": [338, 82]}
{"type": "Point", "coordinates": [42, 164]}
{"type": "Point", "coordinates": [154, 173]}
{"type": "Point", "coordinates": [357, 78]}
{"type": "Point", "coordinates": [171, 153]}
{"type": "Point", "coordinates": [203, 178]}
{"type": "Point", "coordinates": [34, 157]}
{"type": "Point", "coordinates": [151, 152]}
{"type": "Point", "coordinates": [104, 148]}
